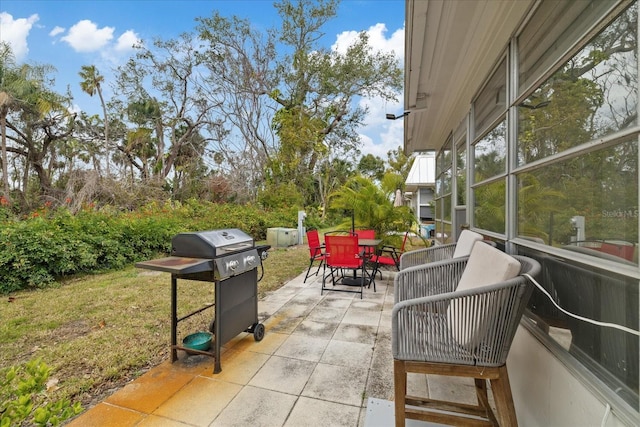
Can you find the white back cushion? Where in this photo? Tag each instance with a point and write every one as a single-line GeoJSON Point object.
{"type": "Point", "coordinates": [465, 243]}
{"type": "Point", "coordinates": [486, 266]}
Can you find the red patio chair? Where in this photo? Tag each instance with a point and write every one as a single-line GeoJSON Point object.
{"type": "Point", "coordinates": [367, 234]}
{"type": "Point", "coordinates": [370, 252]}
{"type": "Point", "coordinates": [390, 255]}
{"type": "Point", "coordinates": [343, 253]}
{"type": "Point", "coordinates": [316, 252]}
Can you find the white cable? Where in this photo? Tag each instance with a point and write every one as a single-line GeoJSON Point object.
{"type": "Point", "coordinates": [584, 319]}
{"type": "Point", "coordinates": [606, 415]}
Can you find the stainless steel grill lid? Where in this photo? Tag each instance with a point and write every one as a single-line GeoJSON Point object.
{"type": "Point", "coordinates": [210, 244]}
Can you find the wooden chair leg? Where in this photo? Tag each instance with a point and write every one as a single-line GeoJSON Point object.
{"type": "Point", "coordinates": [400, 391]}
{"type": "Point", "coordinates": [503, 398]}
{"type": "Point", "coordinates": [483, 400]}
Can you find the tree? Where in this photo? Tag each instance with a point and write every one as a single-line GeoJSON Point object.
{"type": "Point", "coordinates": [91, 84]}
{"type": "Point", "coordinates": [330, 176]}
{"type": "Point", "coordinates": [16, 83]}
{"type": "Point", "coordinates": [6, 99]}
{"type": "Point", "coordinates": [371, 166]}
{"type": "Point", "coordinates": [35, 134]}
{"type": "Point", "coordinates": [372, 208]}
{"type": "Point", "coordinates": [318, 87]}
{"type": "Point", "coordinates": [398, 170]}
{"type": "Point", "coordinates": [167, 79]}
{"type": "Point", "coordinates": [38, 119]}
{"type": "Point", "coordinates": [241, 65]}
{"type": "Point", "coordinates": [309, 92]}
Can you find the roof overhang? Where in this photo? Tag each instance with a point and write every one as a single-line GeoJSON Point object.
{"type": "Point", "coordinates": [450, 48]}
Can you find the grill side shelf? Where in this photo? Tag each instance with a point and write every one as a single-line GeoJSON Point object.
{"type": "Point", "coordinates": [178, 265]}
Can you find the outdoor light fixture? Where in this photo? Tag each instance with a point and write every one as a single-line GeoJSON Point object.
{"type": "Point", "coordinates": [394, 117]}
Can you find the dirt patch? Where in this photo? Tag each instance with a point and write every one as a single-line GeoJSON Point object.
{"type": "Point", "coordinates": [71, 330]}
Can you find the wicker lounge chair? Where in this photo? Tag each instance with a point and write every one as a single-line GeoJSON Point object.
{"type": "Point", "coordinates": [458, 318]}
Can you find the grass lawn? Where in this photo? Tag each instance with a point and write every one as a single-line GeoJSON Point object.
{"type": "Point", "coordinates": [98, 332]}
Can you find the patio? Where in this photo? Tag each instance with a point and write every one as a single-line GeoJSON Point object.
{"type": "Point", "coordinates": [324, 360]}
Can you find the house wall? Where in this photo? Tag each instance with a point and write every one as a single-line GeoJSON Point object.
{"type": "Point", "coordinates": [421, 184]}
{"type": "Point", "coordinates": [545, 393]}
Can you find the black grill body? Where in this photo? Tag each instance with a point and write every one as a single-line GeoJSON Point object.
{"type": "Point", "coordinates": [229, 258]}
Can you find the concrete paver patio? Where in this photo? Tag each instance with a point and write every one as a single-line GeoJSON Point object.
{"type": "Point", "coordinates": [324, 360]}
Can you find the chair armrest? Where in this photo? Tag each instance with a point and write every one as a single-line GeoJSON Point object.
{"type": "Point", "coordinates": [389, 249]}
{"type": "Point", "coordinates": [389, 252]}
{"type": "Point", "coordinates": [317, 250]}
{"type": "Point", "coordinates": [474, 326]}
{"type": "Point", "coordinates": [428, 279]}
{"type": "Point", "coordinates": [426, 255]}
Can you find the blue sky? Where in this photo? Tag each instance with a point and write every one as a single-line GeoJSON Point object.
{"type": "Point", "coordinates": [70, 33]}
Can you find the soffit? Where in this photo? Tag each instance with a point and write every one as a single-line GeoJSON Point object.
{"type": "Point", "coordinates": [450, 48]}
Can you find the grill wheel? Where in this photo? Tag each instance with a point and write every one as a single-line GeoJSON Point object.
{"type": "Point", "coordinates": [258, 331]}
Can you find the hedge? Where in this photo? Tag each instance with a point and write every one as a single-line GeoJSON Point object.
{"type": "Point", "coordinates": [49, 245]}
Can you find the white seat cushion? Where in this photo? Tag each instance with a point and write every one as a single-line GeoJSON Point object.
{"type": "Point", "coordinates": [486, 266]}
{"type": "Point", "coordinates": [465, 243]}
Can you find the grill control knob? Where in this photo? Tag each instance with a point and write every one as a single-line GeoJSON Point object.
{"type": "Point", "coordinates": [233, 264]}
{"type": "Point", "coordinates": [250, 260]}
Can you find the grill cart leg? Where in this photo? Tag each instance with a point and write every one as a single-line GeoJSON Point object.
{"type": "Point", "coordinates": [217, 329]}
{"type": "Point", "coordinates": [174, 318]}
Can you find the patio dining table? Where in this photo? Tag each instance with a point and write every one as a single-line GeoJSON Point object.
{"type": "Point", "coordinates": [369, 243]}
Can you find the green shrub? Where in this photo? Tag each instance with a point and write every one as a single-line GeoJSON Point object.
{"type": "Point", "coordinates": [48, 245]}
{"type": "Point", "coordinates": [24, 400]}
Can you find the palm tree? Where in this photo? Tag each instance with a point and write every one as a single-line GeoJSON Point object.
{"type": "Point", "coordinates": [6, 70]}
{"type": "Point", "coordinates": [14, 83]}
{"type": "Point", "coordinates": [372, 208]}
{"type": "Point", "coordinates": [90, 84]}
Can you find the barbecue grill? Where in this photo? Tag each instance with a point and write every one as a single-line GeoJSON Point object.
{"type": "Point", "coordinates": [230, 259]}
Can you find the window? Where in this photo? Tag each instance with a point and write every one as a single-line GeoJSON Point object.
{"type": "Point", "coordinates": [572, 157]}
{"type": "Point", "coordinates": [491, 101]}
{"type": "Point", "coordinates": [490, 154]}
{"type": "Point", "coordinates": [592, 95]}
{"type": "Point", "coordinates": [489, 210]}
{"type": "Point", "coordinates": [443, 192]}
{"type": "Point", "coordinates": [588, 203]}
{"type": "Point", "coordinates": [553, 29]}
{"type": "Point", "coordinates": [489, 161]}
{"type": "Point", "coordinates": [461, 175]}
{"type": "Point", "coordinates": [610, 354]}
{"type": "Point", "coordinates": [439, 162]}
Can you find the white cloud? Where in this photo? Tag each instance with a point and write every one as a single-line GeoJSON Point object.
{"type": "Point", "coordinates": [387, 138]}
{"type": "Point", "coordinates": [56, 30]}
{"type": "Point", "coordinates": [379, 135]}
{"type": "Point", "coordinates": [15, 33]}
{"type": "Point", "coordinates": [126, 41]}
{"type": "Point", "coordinates": [85, 36]}
{"type": "Point", "coordinates": [377, 40]}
